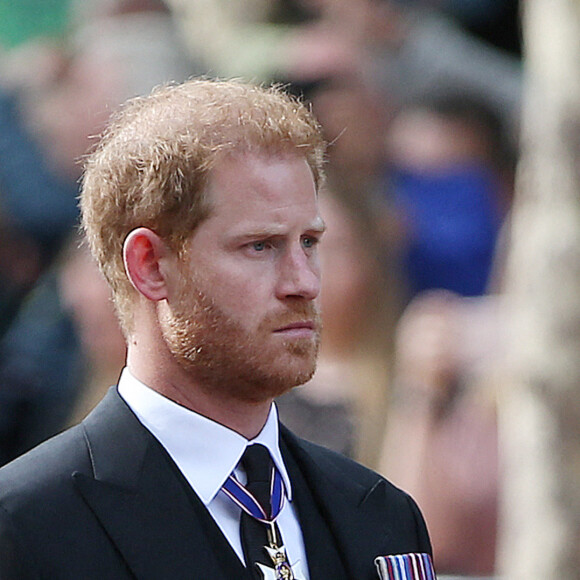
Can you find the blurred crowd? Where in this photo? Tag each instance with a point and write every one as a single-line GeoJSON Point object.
{"type": "Point", "coordinates": [419, 100]}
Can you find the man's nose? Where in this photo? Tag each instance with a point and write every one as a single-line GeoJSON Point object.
{"type": "Point", "coordinates": [299, 274]}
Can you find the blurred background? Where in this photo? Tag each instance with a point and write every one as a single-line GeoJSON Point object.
{"type": "Point", "coordinates": [421, 102]}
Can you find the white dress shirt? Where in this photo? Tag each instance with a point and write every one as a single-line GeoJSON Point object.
{"type": "Point", "coordinates": [207, 452]}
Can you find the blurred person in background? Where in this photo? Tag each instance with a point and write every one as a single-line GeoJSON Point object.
{"type": "Point", "coordinates": [451, 170]}
{"type": "Point", "coordinates": [355, 118]}
{"type": "Point", "coordinates": [408, 49]}
{"type": "Point", "coordinates": [420, 48]}
{"type": "Point", "coordinates": [264, 40]}
{"type": "Point", "coordinates": [38, 367]}
{"type": "Point", "coordinates": [114, 50]}
{"type": "Point", "coordinates": [89, 307]}
{"type": "Point", "coordinates": [62, 96]}
{"type": "Point", "coordinates": [441, 439]}
{"type": "Point", "coordinates": [37, 211]}
{"type": "Point", "coordinates": [450, 179]}
{"type": "Point", "coordinates": [64, 346]}
{"type": "Point", "coordinates": [37, 207]}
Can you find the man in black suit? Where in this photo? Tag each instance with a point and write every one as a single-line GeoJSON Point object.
{"type": "Point", "coordinates": [200, 207]}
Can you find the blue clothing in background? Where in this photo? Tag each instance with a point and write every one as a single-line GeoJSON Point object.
{"type": "Point", "coordinates": [38, 348]}
{"type": "Point", "coordinates": [40, 371]}
{"type": "Point", "coordinates": [453, 223]}
{"type": "Point", "coordinates": [33, 199]}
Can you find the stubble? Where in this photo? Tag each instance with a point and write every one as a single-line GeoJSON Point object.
{"type": "Point", "coordinates": [226, 359]}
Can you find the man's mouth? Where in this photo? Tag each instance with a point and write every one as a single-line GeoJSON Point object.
{"type": "Point", "coordinates": [300, 329]}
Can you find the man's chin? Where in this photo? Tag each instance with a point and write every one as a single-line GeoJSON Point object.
{"type": "Point", "coordinates": [275, 384]}
{"type": "Point", "coordinates": [300, 374]}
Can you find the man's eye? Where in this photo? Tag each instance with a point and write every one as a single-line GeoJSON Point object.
{"type": "Point", "coordinates": [309, 242]}
{"type": "Point", "coordinates": [259, 246]}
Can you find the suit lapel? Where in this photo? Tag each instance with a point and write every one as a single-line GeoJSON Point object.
{"type": "Point", "coordinates": [354, 512]}
{"type": "Point", "coordinates": [143, 505]}
{"type": "Point", "coordinates": [324, 558]}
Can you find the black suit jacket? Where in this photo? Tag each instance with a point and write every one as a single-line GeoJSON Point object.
{"type": "Point", "coordinates": [104, 501]}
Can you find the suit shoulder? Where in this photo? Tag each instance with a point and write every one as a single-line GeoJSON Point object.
{"type": "Point", "coordinates": [42, 511]}
{"type": "Point", "coordinates": [335, 465]}
{"type": "Point", "coordinates": [46, 467]}
{"type": "Point", "coordinates": [352, 484]}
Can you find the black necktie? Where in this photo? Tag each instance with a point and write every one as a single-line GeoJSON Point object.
{"type": "Point", "coordinates": [258, 466]}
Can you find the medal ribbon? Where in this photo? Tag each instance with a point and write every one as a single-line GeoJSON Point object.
{"type": "Point", "coordinates": [247, 502]}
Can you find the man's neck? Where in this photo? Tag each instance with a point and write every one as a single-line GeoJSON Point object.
{"type": "Point", "coordinates": [244, 417]}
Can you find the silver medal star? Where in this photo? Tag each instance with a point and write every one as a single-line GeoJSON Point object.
{"type": "Point", "coordinates": [282, 569]}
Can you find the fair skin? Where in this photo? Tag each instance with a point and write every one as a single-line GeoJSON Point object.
{"type": "Point", "coordinates": [237, 324]}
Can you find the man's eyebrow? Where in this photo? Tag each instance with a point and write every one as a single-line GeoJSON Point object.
{"type": "Point", "coordinates": [318, 225]}
{"type": "Point", "coordinates": [259, 232]}
{"type": "Point", "coordinates": [272, 230]}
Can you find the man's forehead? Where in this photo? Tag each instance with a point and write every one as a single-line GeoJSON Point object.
{"type": "Point", "coordinates": [277, 180]}
{"type": "Point", "coordinates": [258, 159]}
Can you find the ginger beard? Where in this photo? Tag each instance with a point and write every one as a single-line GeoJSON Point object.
{"type": "Point", "coordinates": [224, 357]}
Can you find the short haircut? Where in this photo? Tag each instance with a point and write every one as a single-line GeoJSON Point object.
{"type": "Point", "coordinates": [152, 164]}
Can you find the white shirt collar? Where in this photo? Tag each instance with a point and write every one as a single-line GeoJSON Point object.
{"type": "Point", "coordinates": [206, 452]}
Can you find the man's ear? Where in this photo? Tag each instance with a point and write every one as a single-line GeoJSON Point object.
{"type": "Point", "coordinates": [143, 254]}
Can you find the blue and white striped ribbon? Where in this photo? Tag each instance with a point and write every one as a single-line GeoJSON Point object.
{"type": "Point", "coordinates": [247, 502]}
